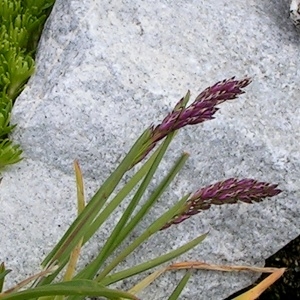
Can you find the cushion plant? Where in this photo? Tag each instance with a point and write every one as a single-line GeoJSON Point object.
{"type": "Point", "coordinates": [21, 26]}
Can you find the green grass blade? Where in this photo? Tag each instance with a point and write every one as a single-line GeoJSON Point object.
{"type": "Point", "coordinates": [152, 263]}
{"type": "Point", "coordinates": [153, 228]}
{"type": "Point", "coordinates": [3, 273]}
{"type": "Point", "coordinates": [81, 224]}
{"type": "Point", "coordinates": [52, 276]}
{"type": "Point", "coordinates": [136, 178]}
{"type": "Point", "coordinates": [154, 197]}
{"type": "Point", "coordinates": [24, 283]}
{"type": "Point", "coordinates": [74, 287]}
{"type": "Point", "coordinates": [181, 285]}
{"type": "Point", "coordinates": [91, 270]}
{"type": "Point", "coordinates": [112, 206]}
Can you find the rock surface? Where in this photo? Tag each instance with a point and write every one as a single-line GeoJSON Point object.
{"type": "Point", "coordinates": [108, 69]}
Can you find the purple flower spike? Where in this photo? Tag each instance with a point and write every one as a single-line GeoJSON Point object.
{"type": "Point", "coordinates": [229, 191]}
{"type": "Point", "coordinates": [227, 89]}
{"type": "Point", "coordinates": [202, 109]}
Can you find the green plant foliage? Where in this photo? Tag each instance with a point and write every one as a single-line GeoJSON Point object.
{"type": "Point", "coordinates": [5, 112]}
{"type": "Point", "coordinates": [95, 278]}
{"type": "Point", "coordinates": [74, 287]}
{"type": "Point", "coordinates": [83, 228]}
{"type": "Point", "coordinates": [176, 293]}
{"type": "Point", "coordinates": [3, 273]}
{"type": "Point", "coordinates": [21, 24]}
{"type": "Point", "coordinates": [9, 153]}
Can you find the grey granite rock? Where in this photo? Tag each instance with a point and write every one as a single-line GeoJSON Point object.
{"type": "Point", "coordinates": [108, 69]}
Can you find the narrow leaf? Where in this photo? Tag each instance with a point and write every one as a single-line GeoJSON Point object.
{"type": "Point", "coordinates": [255, 292]}
{"type": "Point", "coordinates": [205, 266]}
{"type": "Point", "coordinates": [154, 197]}
{"type": "Point", "coordinates": [79, 188]}
{"type": "Point", "coordinates": [74, 287]}
{"type": "Point", "coordinates": [3, 273]}
{"type": "Point", "coordinates": [114, 203]}
{"type": "Point", "coordinates": [152, 263]}
{"type": "Point", "coordinates": [80, 206]}
{"type": "Point", "coordinates": [153, 228]}
{"type": "Point", "coordinates": [80, 226]}
{"type": "Point", "coordinates": [146, 281]}
{"type": "Point", "coordinates": [26, 281]}
{"type": "Point", "coordinates": [118, 233]}
{"type": "Point", "coordinates": [181, 285]}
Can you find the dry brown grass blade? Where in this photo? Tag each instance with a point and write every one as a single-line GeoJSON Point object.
{"type": "Point", "coordinates": [206, 266]}
{"type": "Point", "coordinates": [25, 282]}
{"type": "Point", "coordinates": [146, 281]}
{"type": "Point", "coordinates": [255, 292]}
{"type": "Point", "coordinates": [80, 206]}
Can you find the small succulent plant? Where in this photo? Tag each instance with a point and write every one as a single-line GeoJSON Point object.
{"type": "Point", "coordinates": [21, 26]}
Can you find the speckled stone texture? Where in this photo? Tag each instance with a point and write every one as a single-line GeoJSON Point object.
{"type": "Point", "coordinates": [108, 69]}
